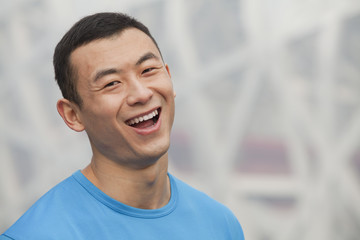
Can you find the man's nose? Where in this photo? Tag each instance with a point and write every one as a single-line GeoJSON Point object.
{"type": "Point", "coordinates": [138, 92]}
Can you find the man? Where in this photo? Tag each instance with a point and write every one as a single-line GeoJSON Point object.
{"type": "Point", "coordinates": [117, 88]}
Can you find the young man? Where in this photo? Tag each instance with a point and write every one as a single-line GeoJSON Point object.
{"type": "Point", "coordinates": [117, 88]}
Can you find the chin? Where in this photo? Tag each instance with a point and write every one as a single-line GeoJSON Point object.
{"type": "Point", "coordinates": [155, 151]}
{"type": "Point", "coordinates": [148, 160]}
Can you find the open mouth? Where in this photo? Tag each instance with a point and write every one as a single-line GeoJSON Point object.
{"type": "Point", "coordinates": [146, 120]}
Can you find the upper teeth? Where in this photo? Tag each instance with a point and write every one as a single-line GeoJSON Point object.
{"type": "Point", "coordinates": [143, 118]}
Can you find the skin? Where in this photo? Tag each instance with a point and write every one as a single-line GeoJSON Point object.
{"type": "Point", "coordinates": [119, 78]}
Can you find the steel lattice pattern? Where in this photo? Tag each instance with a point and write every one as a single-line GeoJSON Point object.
{"type": "Point", "coordinates": [268, 107]}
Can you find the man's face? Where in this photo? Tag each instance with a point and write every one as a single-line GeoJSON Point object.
{"type": "Point", "coordinates": [128, 98]}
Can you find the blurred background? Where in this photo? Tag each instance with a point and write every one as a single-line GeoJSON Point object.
{"type": "Point", "coordinates": [268, 107]}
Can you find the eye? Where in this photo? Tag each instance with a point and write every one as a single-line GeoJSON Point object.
{"type": "Point", "coordinates": [113, 83]}
{"type": "Point", "coordinates": [148, 70]}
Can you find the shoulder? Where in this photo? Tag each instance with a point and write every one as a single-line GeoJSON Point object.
{"type": "Point", "coordinates": [205, 209]}
{"type": "Point", "coordinates": [200, 201]}
{"type": "Point", "coordinates": [46, 214]}
{"type": "Point", "coordinates": [196, 197]}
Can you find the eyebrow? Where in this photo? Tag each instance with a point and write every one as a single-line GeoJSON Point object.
{"type": "Point", "coordinates": [105, 72]}
{"type": "Point", "coordinates": [143, 58]}
{"type": "Point", "coordinates": [146, 57]}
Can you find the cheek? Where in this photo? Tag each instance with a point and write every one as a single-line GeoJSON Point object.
{"type": "Point", "coordinates": [108, 103]}
{"type": "Point", "coordinates": [99, 112]}
{"type": "Point", "coordinates": [166, 88]}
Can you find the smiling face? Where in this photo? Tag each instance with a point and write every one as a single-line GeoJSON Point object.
{"type": "Point", "coordinates": [128, 98]}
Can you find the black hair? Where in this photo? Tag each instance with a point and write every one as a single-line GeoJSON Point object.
{"type": "Point", "coordinates": [87, 29]}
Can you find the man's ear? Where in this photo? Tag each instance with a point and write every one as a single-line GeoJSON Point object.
{"type": "Point", "coordinates": [70, 114]}
{"type": "Point", "coordinates": [168, 71]}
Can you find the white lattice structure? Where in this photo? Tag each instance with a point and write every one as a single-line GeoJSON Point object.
{"type": "Point", "coordinates": [268, 107]}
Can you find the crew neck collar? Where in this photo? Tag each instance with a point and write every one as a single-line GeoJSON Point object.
{"type": "Point", "coordinates": [126, 209]}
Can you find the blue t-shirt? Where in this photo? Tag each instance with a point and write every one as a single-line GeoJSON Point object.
{"type": "Point", "coordinates": [77, 209]}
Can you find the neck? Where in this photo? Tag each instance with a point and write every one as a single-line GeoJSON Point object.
{"type": "Point", "coordinates": [146, 188]}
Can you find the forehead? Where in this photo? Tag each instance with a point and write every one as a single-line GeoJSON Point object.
{"type": "Point", "coordinates": [122, 48]}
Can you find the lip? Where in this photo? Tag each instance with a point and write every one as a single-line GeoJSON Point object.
{"type": "Point", "coordinates": [144, 113]}
{"type": "Point", "coordinates": [151, 129]}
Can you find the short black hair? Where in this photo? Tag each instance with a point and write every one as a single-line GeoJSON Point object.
{"type": "Point", "coordinates": [87, 29]}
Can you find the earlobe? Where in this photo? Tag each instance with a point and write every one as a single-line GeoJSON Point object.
{"type": "Point", "coordinates": [69, 113]}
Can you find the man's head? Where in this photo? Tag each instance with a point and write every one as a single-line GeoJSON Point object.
{"type": "Point", "coordinates": [127, 97]}
{"type": "Point", "coordinates": [88, 29]}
